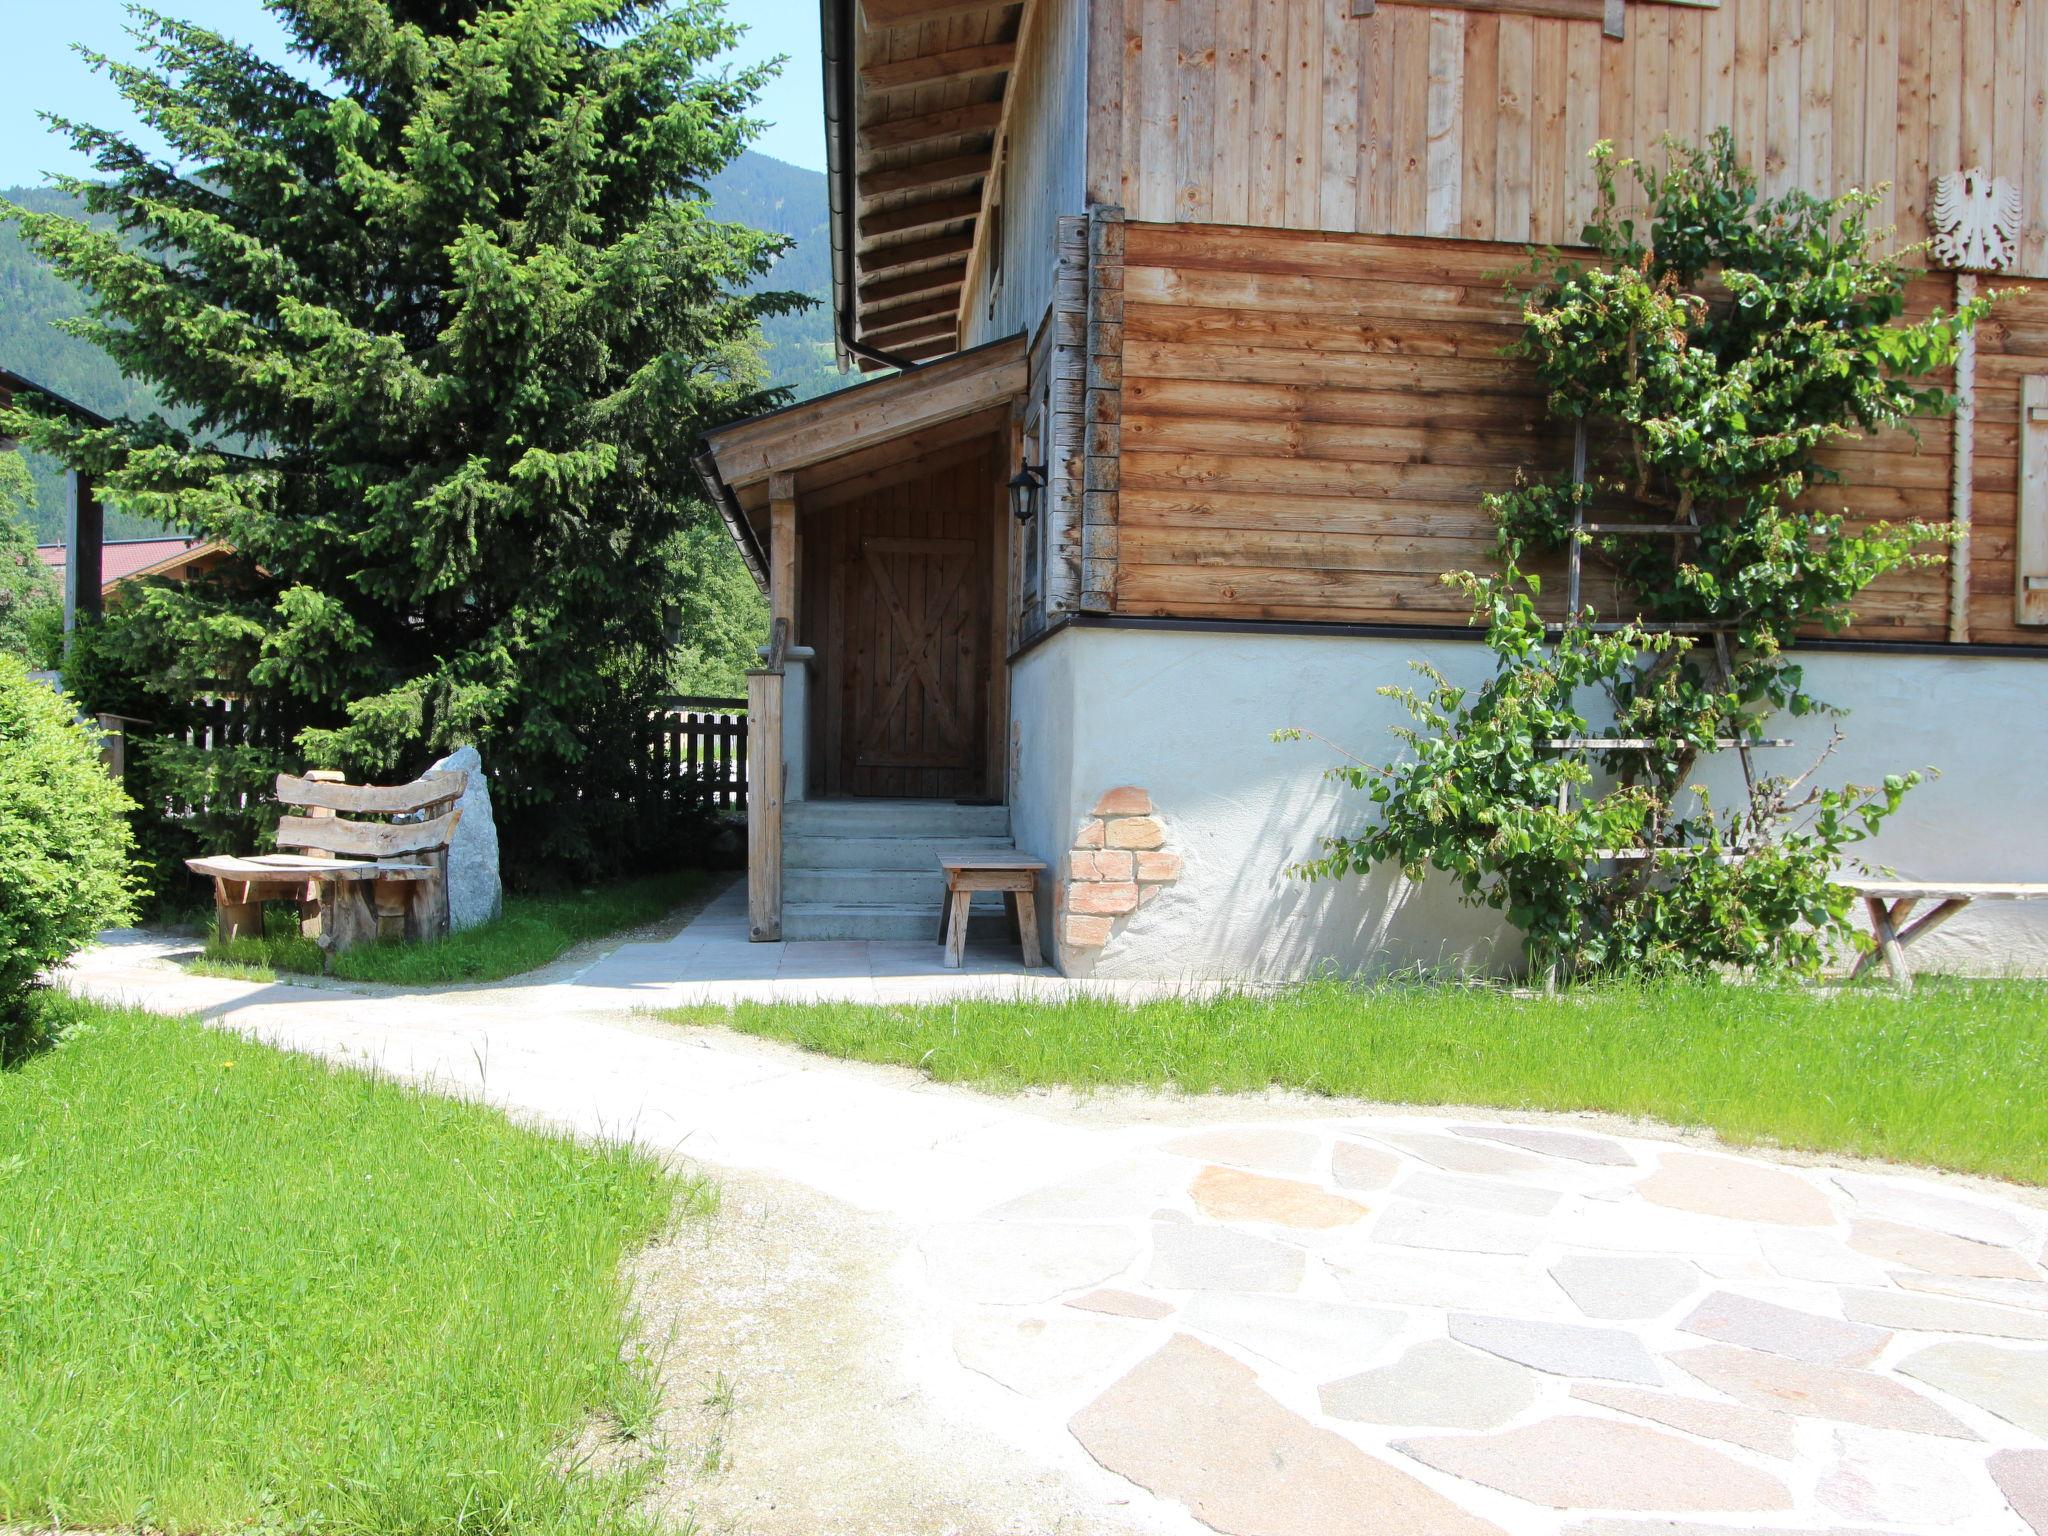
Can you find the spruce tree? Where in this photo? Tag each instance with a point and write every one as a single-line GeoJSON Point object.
{"type": "Point", "coordinates": [438, 337]}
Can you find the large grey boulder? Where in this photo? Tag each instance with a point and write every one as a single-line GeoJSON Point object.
{"type": "Point", "coordinates": [475, 893]}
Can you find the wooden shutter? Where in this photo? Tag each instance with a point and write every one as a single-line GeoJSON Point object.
{"type": "Point", "coordinates": [2030, 599]}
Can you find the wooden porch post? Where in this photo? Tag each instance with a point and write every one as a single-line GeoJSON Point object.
{"type": "Point", "coordinates": [782, 551]}
{"type": "Point", "coordinates": [764, 798]}
{"type": "Point", "coordinates": [765, 787]}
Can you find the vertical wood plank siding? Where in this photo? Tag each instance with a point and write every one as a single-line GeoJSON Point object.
{"type": "Point", "coordinates": [1042, 164]}
{"type": "Point", "coordinates": [1310, 420]}
{"type": "Point", "coordinates": [1295, 114]}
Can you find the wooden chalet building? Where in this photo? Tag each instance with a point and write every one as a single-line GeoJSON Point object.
{"type": "Point", "coordinates": [1228, 270]}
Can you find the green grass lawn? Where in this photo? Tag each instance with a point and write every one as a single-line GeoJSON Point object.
{"type": "Point", "coordinates": [535, 929]}
{"type": "Point", "coordinates": [241, 1290]}
{"type": "Point", "coordinates": [1955, 1075]}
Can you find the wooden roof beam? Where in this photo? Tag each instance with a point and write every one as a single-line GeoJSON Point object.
{"type": "Point", "coordinates": [951, 123]}
{"type": "Point", "coordinates": [904, 13]}
{"type": "Point", "coordinates": [924, 349]}
{"type": "Point", "coordinates": [912, 285]}
{"type": "Point", "coordinates": [947, 304]}
{"type": "Point", "coordinates": [908, 460]}
{"type": "Point", "coordinates": [932, 213]}
{"type": "Point", "coordinates": [890, 258]}
{"type": "Point", "coordinates": [909, 332]}
{"type": "Point", "coordinates": [930, 68]}
{"type": "Point", "coordinates": [925, 175]}
{"type": "Point", "coordinates": [929, 439]}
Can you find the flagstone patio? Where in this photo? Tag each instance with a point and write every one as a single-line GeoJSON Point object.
{"type": "Point", "coordinates": [1301, 1318]}
{"type": "Point", "coordinates": [1586, 1342]}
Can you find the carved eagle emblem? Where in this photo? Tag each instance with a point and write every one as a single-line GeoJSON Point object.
{"type": "Point", "coordinates": [1976, 221]}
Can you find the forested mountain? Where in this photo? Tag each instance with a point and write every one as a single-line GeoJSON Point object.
{"type": "Point", "coordinates": [754, 189]}
{"type": "Point", "coordinates": [789, 200]}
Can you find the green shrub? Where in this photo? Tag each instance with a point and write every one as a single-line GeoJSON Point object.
{"type": "Point", "coordinates": [190, 801]}
{"type": "Point", "coordinates": [64, 839]}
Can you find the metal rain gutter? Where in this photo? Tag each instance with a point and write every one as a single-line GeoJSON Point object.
{"type": "Point", "coordinates": [733, 515]}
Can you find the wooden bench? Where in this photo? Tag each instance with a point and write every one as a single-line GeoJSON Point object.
{"type": "Point", "coordinates": [1014, 874]}
{"type": "Point", "coordinates": [353, 881]}
{"type": "Point", "coordinates": [1891, 902]}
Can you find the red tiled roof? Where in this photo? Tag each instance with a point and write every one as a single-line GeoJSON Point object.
{"type": "Point", "coordinates": [121, 557]}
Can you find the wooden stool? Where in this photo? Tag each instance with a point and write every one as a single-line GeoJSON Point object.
{"type": "Point", "coordinates": [1014, 874]}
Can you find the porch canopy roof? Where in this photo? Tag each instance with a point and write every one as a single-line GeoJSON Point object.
{"type": "Point", "coordinates": [860, 439]}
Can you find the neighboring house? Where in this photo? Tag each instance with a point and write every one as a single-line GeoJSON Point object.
{"type": "Point", "coordinates": [1229, 269]}
{"type": "Point", "coordinates": [175, 557]}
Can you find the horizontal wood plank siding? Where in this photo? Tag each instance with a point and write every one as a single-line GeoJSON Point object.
{"type": "Point", "coordinates": [1310, 421]}
{"type": "Point", "coordinates": [1419, 121]}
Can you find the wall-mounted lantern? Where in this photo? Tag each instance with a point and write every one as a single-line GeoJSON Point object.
{"type": "Point", "coordinates": [1026, 487]}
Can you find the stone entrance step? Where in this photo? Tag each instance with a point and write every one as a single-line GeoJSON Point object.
{"type": "Point", "coordinates": [869, 869]}
{"type": "Point", "coordinates": [895, 818]}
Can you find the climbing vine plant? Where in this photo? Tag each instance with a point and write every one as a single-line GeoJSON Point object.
{"type": "Point", "coordinates": [1711, 354]}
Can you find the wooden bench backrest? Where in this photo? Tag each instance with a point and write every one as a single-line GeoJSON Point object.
{"type": "Point", "coordinates": [433, 789]}
{"type": "Point", "coordinates": [367, 839]}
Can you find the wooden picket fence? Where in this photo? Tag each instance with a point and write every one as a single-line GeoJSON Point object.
{"type": "Point", "coordinates": [694, 751]}
{"type": "Point", "coordinates": [698, 751]}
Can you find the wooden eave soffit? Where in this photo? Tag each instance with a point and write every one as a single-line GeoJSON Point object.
{"type": "Point", "coordinates": [869, 415]}
{"type": "Point", "coordinates": [929, 156]}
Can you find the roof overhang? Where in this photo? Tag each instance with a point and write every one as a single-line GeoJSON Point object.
{"type": "Point", "coordinates": [915, 95]}
{"type": "Point", "coordinates": [12, 383]}
{"type": "Point", "coordinates": [859, 437]}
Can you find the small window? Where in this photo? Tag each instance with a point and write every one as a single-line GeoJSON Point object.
{"type": "Point", "coordinates": [994, 233]}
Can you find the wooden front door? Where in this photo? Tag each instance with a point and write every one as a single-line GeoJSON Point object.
{"type": "Point", "coordinates": [901, 587]}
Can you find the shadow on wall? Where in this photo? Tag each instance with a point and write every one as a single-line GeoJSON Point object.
{"type": "Point", "coordinates": [1371, 923]}
{"type": "Point", "coordinates": [1238, 913]}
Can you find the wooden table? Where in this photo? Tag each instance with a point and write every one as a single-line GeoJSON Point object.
{"type": "Point", "coordinates": [1891, 902]}
{"type": "Point", "coordinates": [334, 906]}
{"type": "Point", "coordinates": [1014, 874]}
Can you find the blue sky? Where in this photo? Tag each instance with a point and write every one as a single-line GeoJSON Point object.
{"type": "Point", "coordinates": [39, 72]}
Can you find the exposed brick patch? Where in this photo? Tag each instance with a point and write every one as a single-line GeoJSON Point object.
{"type": "Point", "coordinates": [1124, 800]}
{"type": "Point", "coordinates": [1155, 865]}
{"type": "Point", "coordinates": [1111, 898]}
{"type": "Point", "coordinates": [1117, 864]}
{"type": "Point", "coordinates": [1134, 832]}
{"type": "Point", "coordinates": [1085, 932]}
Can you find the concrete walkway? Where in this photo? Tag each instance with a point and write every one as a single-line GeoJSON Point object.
{"type": "Point", "coordinates": [713, 961]}
{"type": "Point", "coordinates": [1289, 1322]}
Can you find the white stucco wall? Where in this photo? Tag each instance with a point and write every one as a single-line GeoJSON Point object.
{"type": "Point", "coordinates": [1189, 716]}
{"type": "Point", "coordinates": [1041, 764]}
